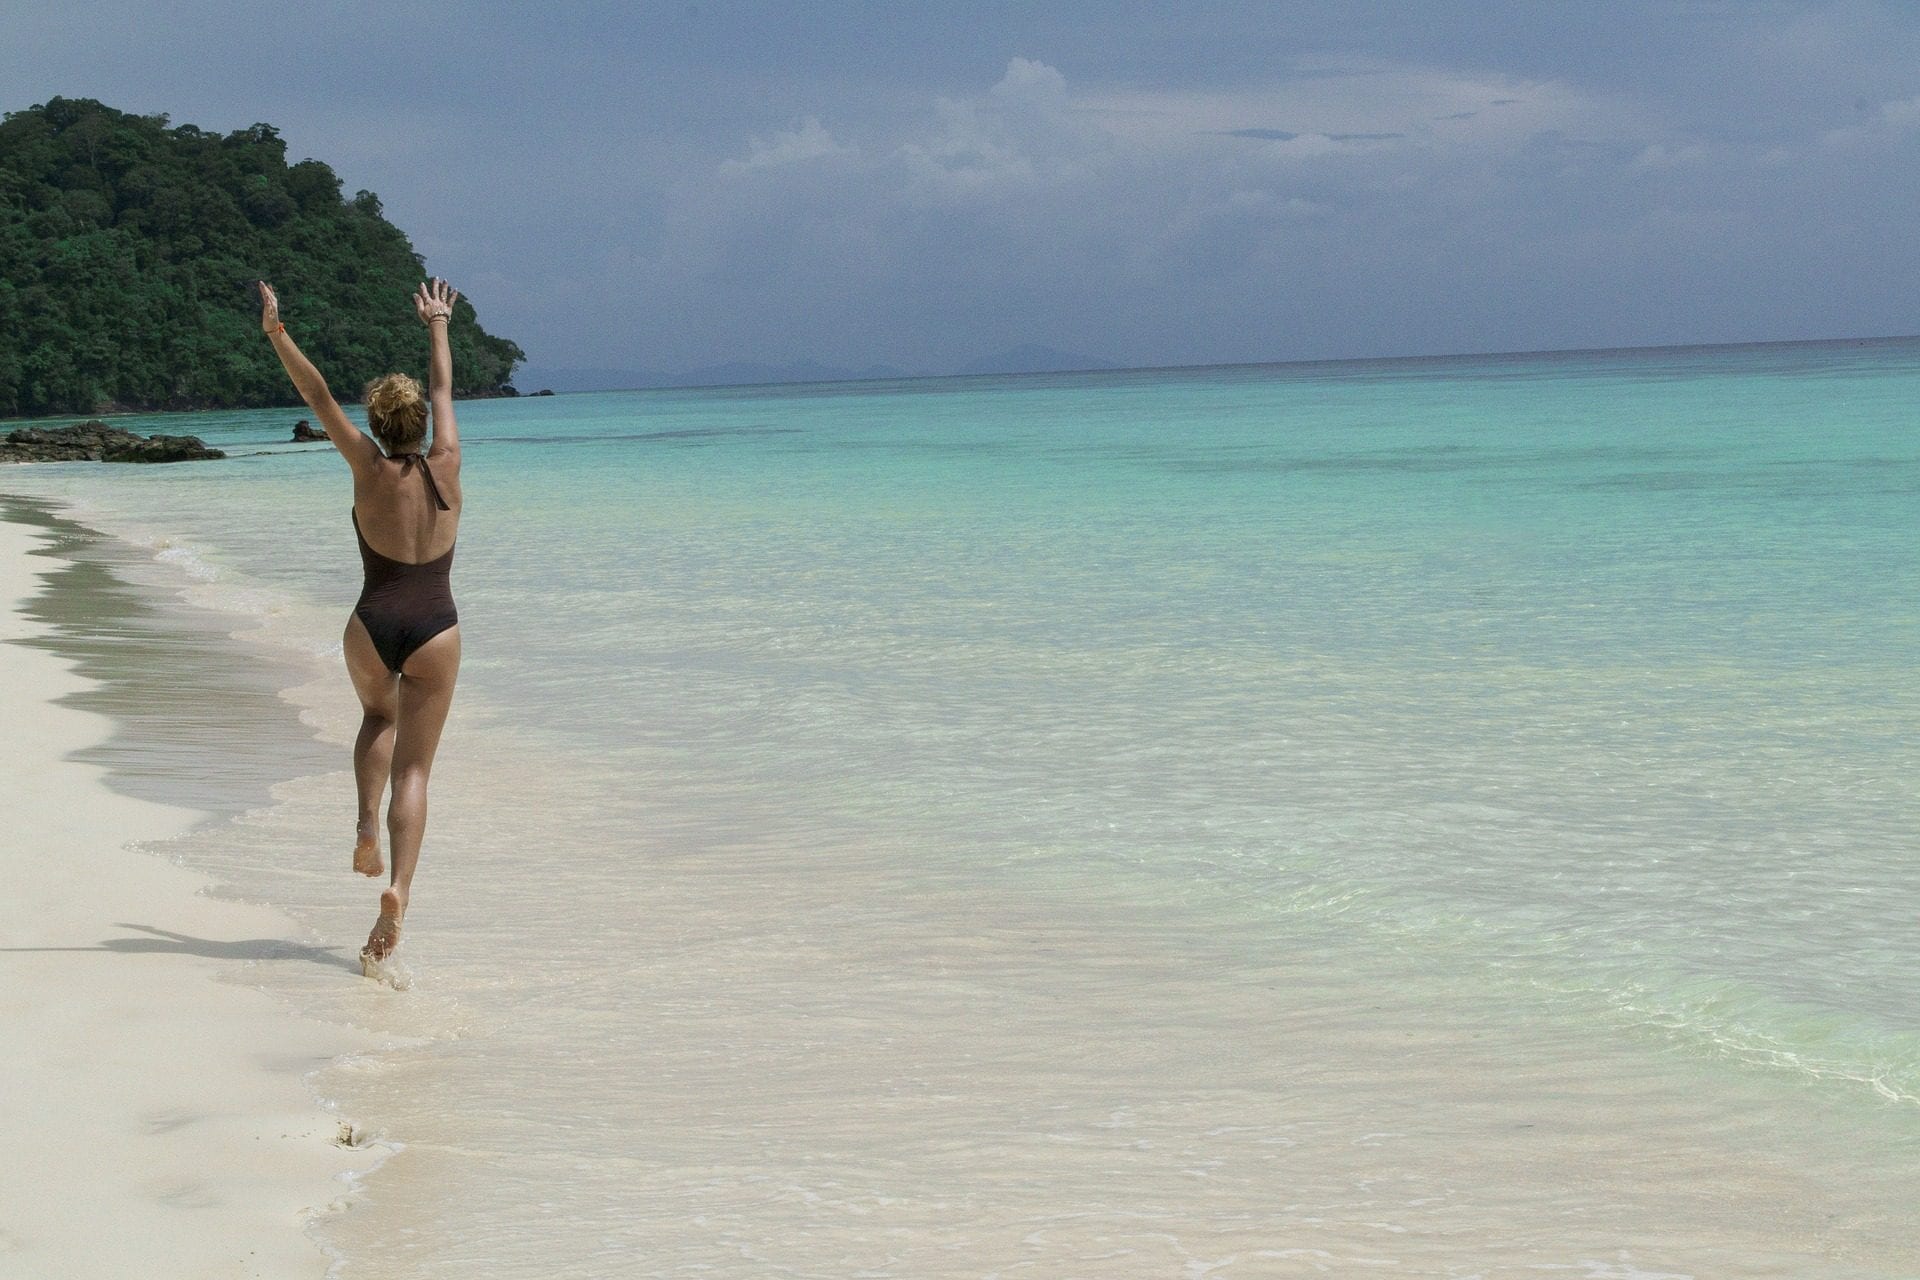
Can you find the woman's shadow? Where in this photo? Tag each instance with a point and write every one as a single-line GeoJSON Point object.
{"type": "Point", "coordinates": [167, 942]}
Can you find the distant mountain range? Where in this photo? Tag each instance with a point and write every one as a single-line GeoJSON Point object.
{"type": "Point", "coordinates": [1026, 358]}
{"type": "Point", "coordinates": [1029, 358]}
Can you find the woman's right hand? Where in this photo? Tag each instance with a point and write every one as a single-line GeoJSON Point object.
{"type": "Point", "coordinates": [434, 301]}
{"type": "Point", "coordinates": [269, 307]}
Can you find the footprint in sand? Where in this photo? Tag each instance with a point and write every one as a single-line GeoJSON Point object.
{"type": "Point", "coordinates": [169, 1120]}
{"type": "Point", "coordinates": [186, 1195]}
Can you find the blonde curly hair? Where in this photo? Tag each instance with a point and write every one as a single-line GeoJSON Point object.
{"type": "Point", "coordinates": [396, 412]}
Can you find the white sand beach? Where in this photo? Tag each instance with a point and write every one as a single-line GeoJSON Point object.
{"type": "Point", "coordinates": [158, 1121]}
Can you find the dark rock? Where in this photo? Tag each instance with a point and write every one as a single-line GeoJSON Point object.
{"type": "Point", "coordinates": [303, 432]}
{"type": "Point", "coordinates": [163, 449]}
{"type": "Point", "coordinates": [544, 391]}
{"type": "Point", "coordinates": [98, 442]}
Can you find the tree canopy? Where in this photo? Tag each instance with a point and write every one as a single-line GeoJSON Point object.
{"type": "Point", "coordinates": [127, 253]}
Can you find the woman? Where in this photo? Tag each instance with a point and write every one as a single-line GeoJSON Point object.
{"type": "Point", "coordinates": [403, 640]}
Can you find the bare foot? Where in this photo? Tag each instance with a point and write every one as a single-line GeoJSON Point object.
{"type": "Point", "coordinates": [366, 852]}
{"type": "Point", "coordinates": [386, 930]}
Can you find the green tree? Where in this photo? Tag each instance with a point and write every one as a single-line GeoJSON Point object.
{"type": "Point", "coordinates": [128, 247]}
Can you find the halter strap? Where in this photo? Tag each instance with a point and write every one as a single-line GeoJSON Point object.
{"type": "Point", "coordinates": [406, 464]}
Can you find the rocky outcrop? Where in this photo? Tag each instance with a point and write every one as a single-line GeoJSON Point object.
{"type": "Point", "coordinates": [303, 432]}
{"type": "Point", "coordinates": [98, 442]}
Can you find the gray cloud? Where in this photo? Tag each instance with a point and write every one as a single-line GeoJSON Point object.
{"type": "Point", "coordinates": [1106, 221]}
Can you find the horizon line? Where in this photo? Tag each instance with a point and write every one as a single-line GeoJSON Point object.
{"type": "Point", "coordinates": [1247, 364]}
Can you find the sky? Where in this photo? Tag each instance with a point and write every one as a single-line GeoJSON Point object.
{"type": "Point", "coordinates": [666, 186]}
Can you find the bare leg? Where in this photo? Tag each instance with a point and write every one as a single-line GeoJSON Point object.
{"type": "Point", "coordinates": [372, 759]}
{"type": "Point", "coordinates": [373, 749]}
{"type": "Point", "coordinates": [426, 692]}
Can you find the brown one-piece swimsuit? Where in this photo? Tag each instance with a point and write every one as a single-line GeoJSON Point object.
{"type": "Point", "coordinates": [405, 605]}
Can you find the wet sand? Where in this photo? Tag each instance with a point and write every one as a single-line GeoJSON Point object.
{"type": "Point", "coordinates": [160, 1122]}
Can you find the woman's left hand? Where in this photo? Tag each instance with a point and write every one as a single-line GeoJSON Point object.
{"type": "Point", "coordinates": [434, 301]}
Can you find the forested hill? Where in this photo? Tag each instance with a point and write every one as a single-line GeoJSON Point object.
{"type": "Point", "coordinates": [126, 252]}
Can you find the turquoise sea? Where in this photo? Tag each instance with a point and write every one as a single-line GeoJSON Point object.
{"type": "Point", "coordinates": [1443, 816]}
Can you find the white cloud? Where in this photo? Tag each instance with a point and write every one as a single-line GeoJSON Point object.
{"type": "Point", "coordinates": [1032, 84]}
{"type": "Point", "coordinates": [1021, 131]}
{"type": "Point", "coordinates": [807, 140]}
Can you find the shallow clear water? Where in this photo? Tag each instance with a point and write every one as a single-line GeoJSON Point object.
{"type": "Point", "coordinates": [845, 776]}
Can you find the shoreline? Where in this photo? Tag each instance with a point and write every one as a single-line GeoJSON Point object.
{"type": "Point", "coordinates": [173, 1112]}
{"type": "Point", "coordinates": [112, 411]}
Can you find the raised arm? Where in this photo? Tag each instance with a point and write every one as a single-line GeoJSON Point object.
{"type": "Point", "coordinates": [354, 445]}
{"type": "Point", "coordinates": [433, 303]}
